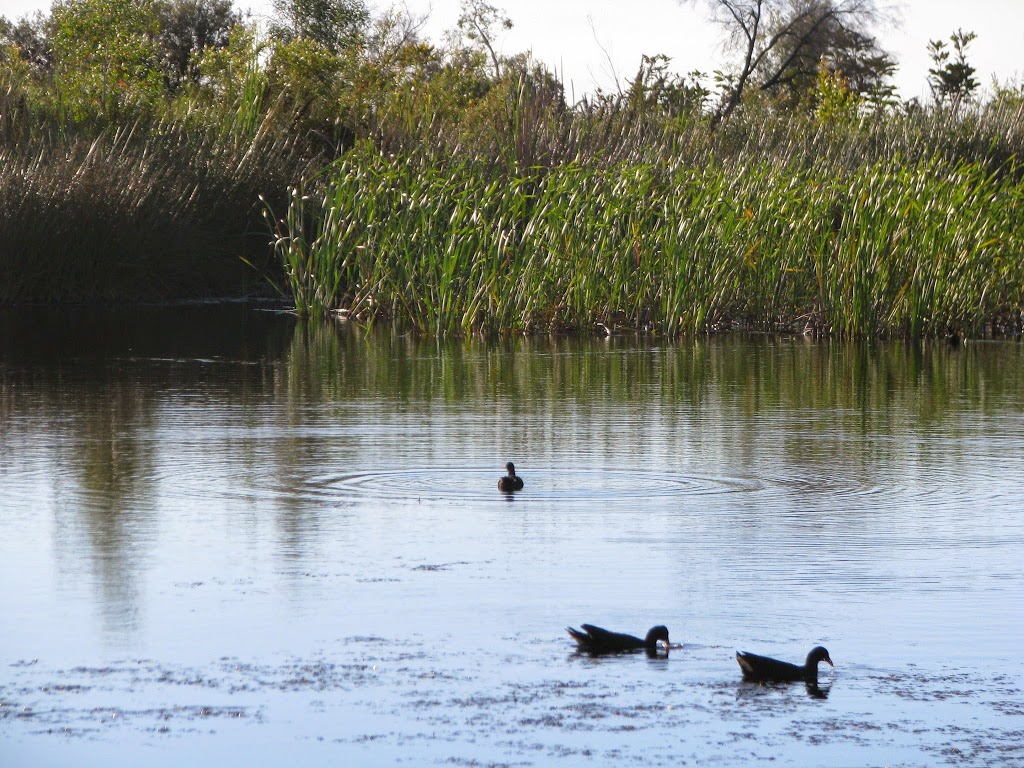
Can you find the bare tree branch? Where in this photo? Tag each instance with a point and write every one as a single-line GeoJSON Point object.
{"type": "Point", "coordinates": [780, 42]}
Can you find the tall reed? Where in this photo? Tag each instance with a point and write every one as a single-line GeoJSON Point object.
{"type": "Point", "coordinates": [142, 213]}
{"type": "Point", "coordinates": [895, 246]}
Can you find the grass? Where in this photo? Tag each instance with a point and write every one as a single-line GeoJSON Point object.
{"type": "Point", "coordinates": [524, 215]}
{"type": "Point", "coordinates": [456, 244]}
{"type": "Point", "coordinates": [155, 211]}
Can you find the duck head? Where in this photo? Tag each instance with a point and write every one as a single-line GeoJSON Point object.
{"type": "Point", "coordinates": [655, 635]}
{"type": "Point", "coordinates": [818, 654]}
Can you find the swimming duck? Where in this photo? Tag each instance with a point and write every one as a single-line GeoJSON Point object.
{"type": "Point", "coordinates": [510, 482]}
{"type": "Point", "coordinates": [596, 640]}
{"type": "Point", "coordinates": [761, 669]}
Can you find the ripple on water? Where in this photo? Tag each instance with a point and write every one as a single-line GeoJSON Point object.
{"type": "Point", "coordinates": [552, 484]}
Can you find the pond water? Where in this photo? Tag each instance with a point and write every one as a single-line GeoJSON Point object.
{"type": "Point", "coordinates": [230, 539]}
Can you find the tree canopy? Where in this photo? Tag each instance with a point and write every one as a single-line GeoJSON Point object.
{"type": "Point", "coordinates": [334, 24]}
{"type": "Point", "coordinates": [780, 44]}
{"type": "Point", "coordinates": [187, 28]}
{"type": "Point", "coordinates": [952, 81]}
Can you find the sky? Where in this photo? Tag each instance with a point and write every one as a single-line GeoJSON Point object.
{"type": "Point", "coordinates": [597, 43]}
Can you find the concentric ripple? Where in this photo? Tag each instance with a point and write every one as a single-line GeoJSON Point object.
{"type": "Point", "coordinates": [551, 484]}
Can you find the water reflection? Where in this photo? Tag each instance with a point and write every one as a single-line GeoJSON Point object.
{"type": "Point", "coordinates": [113, 402]}
{"type": "Point", "coordinates": [816, 691]}
{"type": "Point", "coordinates": [268, 487]}
{"type": "Point", "coordinates": [104, 491]}
{"type": "Point", "coordinates": [255, 405]}
{"type": "Point", "coordinates": [755, 693]}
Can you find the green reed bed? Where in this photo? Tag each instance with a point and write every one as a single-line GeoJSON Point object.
{"type": "Point", "coordinates": [892, 248]}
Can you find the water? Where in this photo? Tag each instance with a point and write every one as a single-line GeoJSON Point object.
{"type": "Point", "coordinates": [233, 541]}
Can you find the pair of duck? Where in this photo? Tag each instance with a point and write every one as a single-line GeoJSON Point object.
{"type": "Point", "coordinates": [759, 669]}
{"type": "Point", "coordinates": [595, 640]}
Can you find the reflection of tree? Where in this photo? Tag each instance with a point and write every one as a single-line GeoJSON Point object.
{"type": "Point", "coordinates": [90, 388]}
{"type": "Point", "coordinates": [139, 417]}
{"type": "Point", "coordinates": [104, 489]}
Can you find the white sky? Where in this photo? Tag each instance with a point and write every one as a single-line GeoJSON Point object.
{"type": "Point", "coordinates": [573, 36]}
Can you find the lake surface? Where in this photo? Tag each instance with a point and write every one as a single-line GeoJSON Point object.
{"type": "Point", "coordinates": [232, 540]}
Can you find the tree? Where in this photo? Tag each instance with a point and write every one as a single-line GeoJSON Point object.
{"type": "Point", "coordinates": [480, 22]}
{"type": "Point", "coordinates": [105, 55]}
{"type": "Point", "coordinates": [834, 101]}
{"type": "Point", "coordinates": [187, 29]}
{"type": "Point", "coordinates": [30, 35]}
{"type": "Point", "coordinates": [337, 25]}
{"type": "Point", "coordinates": [952, 82]}
{"type": "Point", "coordinates": [782, 42]}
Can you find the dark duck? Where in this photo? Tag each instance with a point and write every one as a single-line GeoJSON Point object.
{"type": "Point", "coordinates": [510, 482]}
{"type": "Point", "coordinates": [761, 669]}
{"type": "Point", "coordinates": [595, 640]}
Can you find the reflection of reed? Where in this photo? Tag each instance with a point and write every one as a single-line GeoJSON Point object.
{"type": "Point", "coordinates": [811, 417]}
{"type": "Point", "coordinates": [748, 374]}
{"type": "Point", "coordinates": [227, 406]}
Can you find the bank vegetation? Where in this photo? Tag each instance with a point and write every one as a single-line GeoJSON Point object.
{"type": "Point", "coordinates": [367, 173]}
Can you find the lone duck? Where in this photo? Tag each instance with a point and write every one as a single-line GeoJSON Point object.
{"type": "Point", "coordinates": [761, 669]}
{"type": "Point", "coordinates": [510, 482]}
{"type": "Point", "coordinates": [595, 640]}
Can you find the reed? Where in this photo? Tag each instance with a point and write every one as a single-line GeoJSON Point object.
{"type": "Point", "coordinates": [457, 244]}
{"type": "Point", "coordinates": [514, 212]}
{"type": "Point", "coordinates": [149, 212]}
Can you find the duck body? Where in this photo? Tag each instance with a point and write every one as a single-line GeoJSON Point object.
{"type": "Point", "coordinates": [595, 640]}
{"type": "Point", "coordinates": [510, 482]}
{"type": "Point", "coordinates": [762, 669]}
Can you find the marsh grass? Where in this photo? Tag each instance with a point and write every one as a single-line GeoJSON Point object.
{"type": "Point", "coordinates": [155, 211]}
{"type": "Point", "coordinates": [522, 214]}
{"type": "Point", "coordinates": [456, 245]}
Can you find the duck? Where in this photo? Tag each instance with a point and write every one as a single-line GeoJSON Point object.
{"type": "Point", "coordinates": [595, 640]}
{"type": "Point", "coordinates": [761, 669]}
{"type": "Point", "coordinates": [510, 482]}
